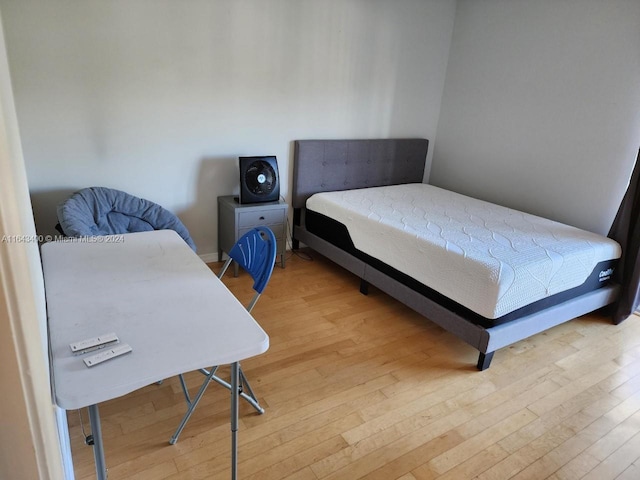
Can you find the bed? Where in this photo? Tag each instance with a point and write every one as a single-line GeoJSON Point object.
{"type": "Point", "coordinates": [488, 274]}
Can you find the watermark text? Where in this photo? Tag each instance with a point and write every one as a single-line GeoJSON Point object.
{"type": "Point", "coordinates": [61, 238]}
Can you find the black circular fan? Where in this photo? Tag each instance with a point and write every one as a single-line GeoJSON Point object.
{"type": "Point", "coordinates": [259, 180]}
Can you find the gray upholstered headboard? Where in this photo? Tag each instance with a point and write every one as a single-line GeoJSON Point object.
{"type": "Point", "coordinates": [328, 165]}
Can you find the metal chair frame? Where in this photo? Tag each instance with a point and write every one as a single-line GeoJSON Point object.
{"type": "Point", "coordinates": [255, 252]}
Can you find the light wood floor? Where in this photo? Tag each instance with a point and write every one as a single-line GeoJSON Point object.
{"type": "Point", "coordinates": [361, 387]}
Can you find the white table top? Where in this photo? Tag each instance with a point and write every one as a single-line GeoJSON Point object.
{"type": "Point", "coordinates": [157, 295]}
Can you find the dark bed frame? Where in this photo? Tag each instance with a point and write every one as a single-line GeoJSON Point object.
{"type": "Point", "coordinates": [330, 165]}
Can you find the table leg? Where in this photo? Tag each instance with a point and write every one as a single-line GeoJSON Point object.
{"type": "Point", "coordinates": [98, 449]}
{"type": "Point", "coordinates": [234, 419]}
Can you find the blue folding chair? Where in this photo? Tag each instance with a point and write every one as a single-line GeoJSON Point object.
{"type": "Point", "coordinates": [255, 252]}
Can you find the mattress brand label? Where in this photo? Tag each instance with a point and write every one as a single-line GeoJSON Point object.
{"type": "Point", "coordinates": [605, 275]}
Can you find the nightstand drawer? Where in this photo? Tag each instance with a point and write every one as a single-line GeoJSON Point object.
{"type": "Point", "coordinates": [261, 217]}
{"type": "Point", "coordinates": [278, 231]}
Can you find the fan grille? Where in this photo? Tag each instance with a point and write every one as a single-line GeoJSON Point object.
{"type": "Point", "coordinates": [260, 178]}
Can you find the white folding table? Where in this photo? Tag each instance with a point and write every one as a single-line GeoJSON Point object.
{"type": "Point", "coordinates": [159, 297]}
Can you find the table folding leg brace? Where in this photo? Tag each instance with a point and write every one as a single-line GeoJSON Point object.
{"type": "Point", "coordinates": [235, 395]}
{"type": "Point", "coordinates": [243, 385]}
{"type": "Point", "coordinates": [211, 376]}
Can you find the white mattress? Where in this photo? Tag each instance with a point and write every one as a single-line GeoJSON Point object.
{"type": "Point", "coordinates": [491, 259]}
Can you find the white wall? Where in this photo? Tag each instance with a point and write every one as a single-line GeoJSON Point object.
{"type": "Point", "coordinates": [160, 97]}
{"type": "Point", "coordinates": [29, 446]}
{"type": "Point", "coordinates": [541, 108]}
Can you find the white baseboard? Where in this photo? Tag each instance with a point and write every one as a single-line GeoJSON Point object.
{"type": "Point", "coordinates": [209, 257]}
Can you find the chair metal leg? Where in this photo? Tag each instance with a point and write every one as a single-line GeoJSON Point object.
{"type": "Point", "coordinates": [244, 384]}
{"type": "Point", "coordinates": [253, 302]}
{"type": "Point", "coordinates": [184, 389]}
{"type": "Point", "coordinates": [211, 376]}
{"type": "Point", "coordinates": [191, 408]}
{"type": "Point", "coordinates": [224, 267]}
{"type": "Point", "coordinates": [183, 384]}
{"type": "Point", "coordinates": [251, 398]}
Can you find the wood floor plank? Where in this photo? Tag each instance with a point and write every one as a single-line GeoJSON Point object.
{"type": "Point", "coordinates": [631, 473]}
{"type": "Point", "coordinates": [473, 466]}
{"type": "Point", "coordinates": [559, 437]}
{"type": "Point", "coordinates": [361, 387]}
{"type": "Point", "coordinates": [474, 445]}
{"type": "Point", "coordinates": [616, 463]}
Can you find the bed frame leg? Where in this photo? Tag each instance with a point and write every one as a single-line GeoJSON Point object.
{"type": "Point", "coordinates": [484, 360]}
{"type": "Point", "coordinates": [364, 287]}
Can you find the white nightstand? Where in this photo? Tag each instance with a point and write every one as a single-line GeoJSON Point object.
{"type": "Point", "coordinates": [235, 219]}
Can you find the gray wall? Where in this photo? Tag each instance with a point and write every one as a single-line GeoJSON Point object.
{"type": "Point", "coordinates": [541, 108]}
{"type": "Point", "coordinates": [160, 97]}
